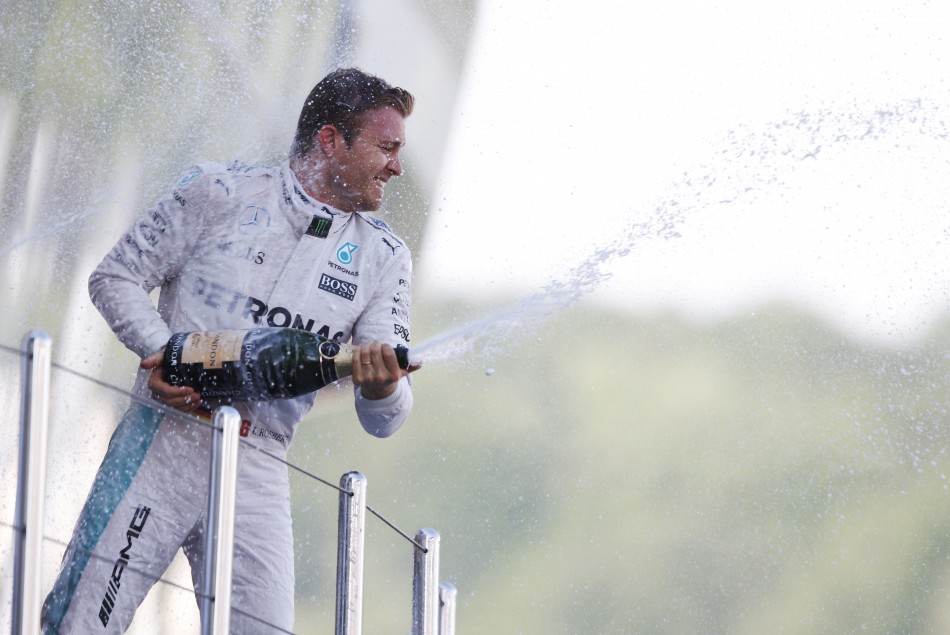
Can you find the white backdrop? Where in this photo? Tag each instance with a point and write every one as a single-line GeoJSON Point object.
{"type": "Point", "coordinates": [823, 125]}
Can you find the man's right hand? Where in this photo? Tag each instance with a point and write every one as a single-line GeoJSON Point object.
{"type": "Point", "coordinates": [183, 398]}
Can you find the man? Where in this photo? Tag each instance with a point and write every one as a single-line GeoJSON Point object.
{"type": "Point", "coordinates": [233, 247]}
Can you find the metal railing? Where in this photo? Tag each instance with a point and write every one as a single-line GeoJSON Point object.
{"type": "Point", "coordinates": [433, 604]}
{"type": "Point", "coordinates": [31, 482]}
{"type": "Point", "coordinates": [219, 541]}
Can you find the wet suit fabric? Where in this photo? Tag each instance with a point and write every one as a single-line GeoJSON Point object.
{"type": "Point", "coordinates": [232, 247]}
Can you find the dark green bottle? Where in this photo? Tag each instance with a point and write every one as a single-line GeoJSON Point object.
{"type": "Point", "coordinates": [259, 364]}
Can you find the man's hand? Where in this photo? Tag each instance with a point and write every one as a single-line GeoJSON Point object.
{"type": "Point", "coordinates": [376, 370]}
{"type": "Point", "coordinates": [183, 398]}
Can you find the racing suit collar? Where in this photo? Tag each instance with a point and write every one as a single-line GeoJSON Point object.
{"type": "Point", "coordinates": [304, 206]}
{"type": "Point", "coordinates": [299, 197]}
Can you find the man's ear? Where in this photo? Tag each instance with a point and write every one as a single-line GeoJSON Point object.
{"type": "Point", "coordinates": [330, 140]}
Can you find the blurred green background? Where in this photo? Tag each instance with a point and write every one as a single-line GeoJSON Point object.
{"type": "Point", "coordinates": [765, 475]}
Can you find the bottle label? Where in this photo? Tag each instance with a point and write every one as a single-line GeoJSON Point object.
{"type": "Point", "coordinates": [212, 349]}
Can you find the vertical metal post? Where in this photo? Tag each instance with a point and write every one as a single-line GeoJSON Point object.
{"type": "Point", "coordinates": [206, 600]}
{"type": "Point", "coordinates": [215, 602]}
{"type": "Point", "coordinates": [349, 555]}
{"type": "Point", "coordinates": [425, 583]}
{"type": "Point", "coordinates": [447, 595]}
{"type": "Point", "coordinates": [31, 482]}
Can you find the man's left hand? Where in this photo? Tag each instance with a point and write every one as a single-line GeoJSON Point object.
{"type": "Point", "coordinates": [376, 370]}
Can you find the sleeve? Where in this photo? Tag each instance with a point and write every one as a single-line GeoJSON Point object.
{"type": "Point", "coordinates": [386, 319]}
{"type": "Point", "coordinates": [383, 417]}
{"type": "Point", "coordinates": [150, 253]}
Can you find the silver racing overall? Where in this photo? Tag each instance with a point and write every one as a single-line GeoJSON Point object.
{"type": "Point", "coordinates": [232, 247]}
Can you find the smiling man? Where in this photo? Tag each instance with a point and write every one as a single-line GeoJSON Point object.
{"type": "Point", "coordinates": [234, 247]}
{"type": "Point", "coordinates": [347, 166]}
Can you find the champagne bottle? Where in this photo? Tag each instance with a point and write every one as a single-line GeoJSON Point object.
{"type": "Point", "coordinates": [258, 364]}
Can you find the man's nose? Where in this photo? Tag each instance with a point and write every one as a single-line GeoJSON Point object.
{"type": "Point", "coordinates": [395, 165]}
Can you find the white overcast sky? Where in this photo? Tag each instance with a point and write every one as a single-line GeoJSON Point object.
{"type": "Point", "coordinates": [577, 119]}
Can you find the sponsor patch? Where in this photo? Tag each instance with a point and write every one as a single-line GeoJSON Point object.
{"type": "Point", "coordinates": [338, 287]}
{"type": "Point", "coordinates": [345, 253]}
{"type": "Point", "coordinates": [379, 222]}
{"type": "Point", "coordinates": [254, 220]}
{"type": "Point", "coordinates": [355, 274]}
{"type": "Point", "coordinates": [188, 178]}
{"type": "Point", "coordinates": [319, 227]}
{"type": "Point", "coordinates": [121, 562]}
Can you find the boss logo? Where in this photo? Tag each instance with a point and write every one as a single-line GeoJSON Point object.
{"type": "Point", "coordinates": [338, 287]}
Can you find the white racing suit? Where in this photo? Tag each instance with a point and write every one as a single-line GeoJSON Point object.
{"type": "Point", "coordinates": [232, 247]}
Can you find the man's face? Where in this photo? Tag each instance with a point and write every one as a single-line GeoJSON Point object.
{"type": "Point", "coordinates": [360, 172]}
